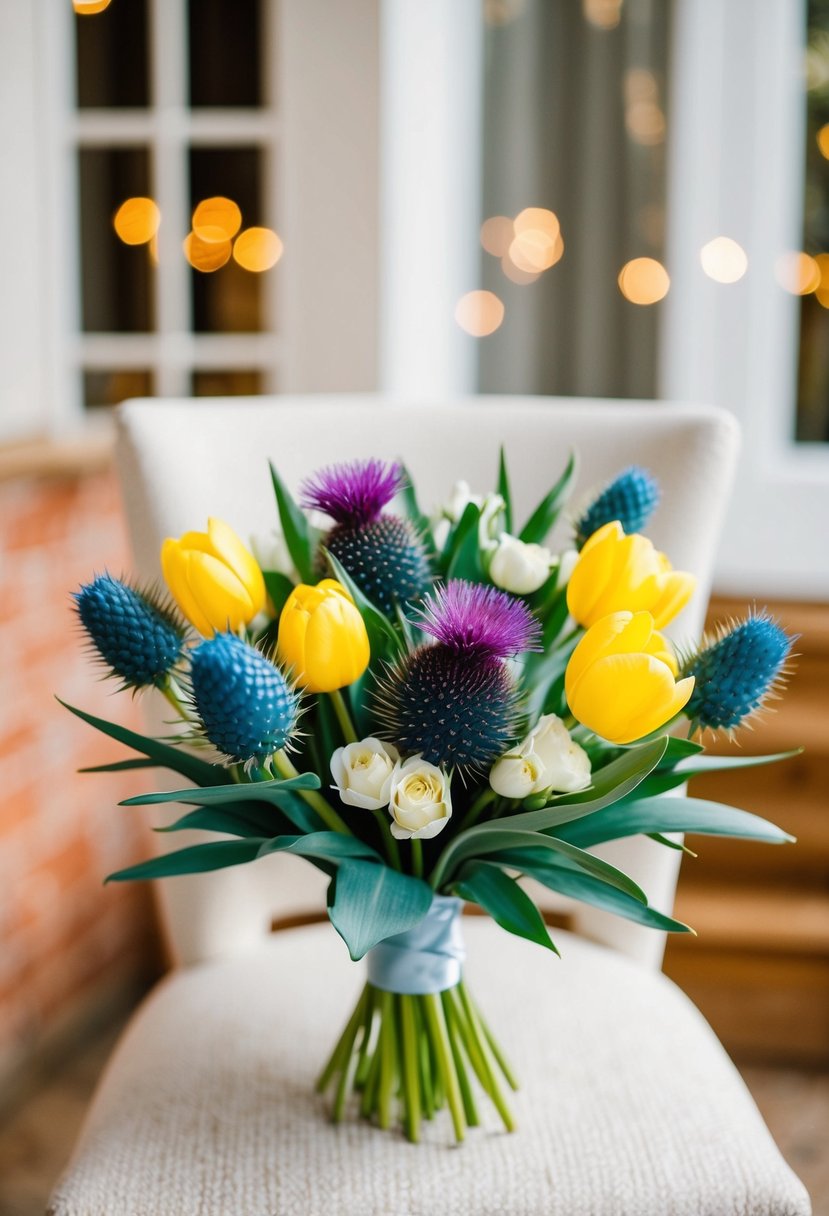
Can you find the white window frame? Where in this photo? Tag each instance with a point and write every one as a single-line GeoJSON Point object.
{"type": "Point", "coordinates": [737, 118]}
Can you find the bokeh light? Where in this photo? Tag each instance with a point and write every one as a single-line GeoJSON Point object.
{"type": "Point", "coordinates": [88, 8]}
{"type": "Point", "coordinates": [604, 14]}
{"type": "Point", "coordinates": [206, 256]}
{"type": "Point", "coordinates": [723, 260]}
{"type": "Point", "coordinates": [522, 277]}
{"type": "Point", "coordinates": [136, 221]}
{"type": "Point", "coordinates": [822, 138]}
{"type": "Point", "coordinates": [798, 273]}
{"type": "Point", "coordinates": [257, 249]}
{"type": "Point", "coordinates": [645, 123]}
{"type": "Point", "coordinates": [644, 281]}
{"type": "Point", "coordinates": [216, 219]}
{"type": "Point", "coordinates": [534, 251]}
{"type": "Point", "coordinates": [479, 313]}
{"type": "Point", "coordinates": [496, 234]}
{"type": "Point", "coordinates": [537, 219]}
{"type": "Point", "coordinates": [822, 290]}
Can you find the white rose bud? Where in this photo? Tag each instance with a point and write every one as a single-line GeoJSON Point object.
{"type": "Point", "coordinates": [489, 525]}
{"type": "Point", "coordinates": [520, 567]}
{"type": "Point", "coordinates": [566, 765]}
{"type": "Point", "coordinates": [517, 775]}
{"type": "Point", "coordinates": [271, 553]}
{"type": "Point", "coordinates": [420, 803]}
{"type": "Point", "coordinates": [459, 500]}
{"type": "Point", "coordinates": [566, 565]}
{"type": "Point", "coordinates": [363, 773]}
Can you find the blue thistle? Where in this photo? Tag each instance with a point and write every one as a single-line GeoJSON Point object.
{"type": "Point", "coordinates": [246, 707]}
{"type": "Point", "coordinates": [736, 673]}
{"type": "Point", "coordinates": [136, 634]}
{"type": "Point", "coordinates": [632, 498]}
{"type": "Point", "coordinates": [382, 553]}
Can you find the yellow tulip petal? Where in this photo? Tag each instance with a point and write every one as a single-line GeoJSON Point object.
{"type": "Point", "coordinates": [616, 633]}
{"type": "Point", "coordinates": [218, 592]}
{"type": "Point", "coordinates": [196, 540]}
{"type": "Point", "coordinates": [227, 546]}
{"type": "Point", "coordinates": [290, 643]}
{"type": "Point", "coordinates": [336, 645]}
{"type": "Point", "coordinates": [614, 529]}
{"type": "Point", "coordinates": [591, 574]}
{"type": "Point", "coordinates": [675, 590]}
{"type": "Point", "coordinates": [661, 649]}
{"type": "Point", "coordinates": [174, 563]}
{"type": "Point", "coordinates": [624, 697]}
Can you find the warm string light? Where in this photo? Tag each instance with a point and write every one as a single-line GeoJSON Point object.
{"type": "Point", "coordinates": [527, 245]}
{"type": "Point", "coordinates": [257, 249]}
{"type": "Point", "coordinates": [723, 260]}
{"type": "Point", "coordinates": [88, 8]}
{"type": "Point", "coordinates": [644, 281]}
{"type": "Point", "coordinates": [479, 313]}
{"type": "Point", "coordinates": [136, 221]}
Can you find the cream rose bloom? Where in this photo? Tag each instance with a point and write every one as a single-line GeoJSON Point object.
{"type": "Point", "coordinates": [516, 775]}
{"type": "Point", "coordinates": [420, 803]}
{"type": "Point", "coordinates": [363, 771]}
{"type": "Point", "coordinates": [566, 765]}
{"type": "Point", "coordinates": [519, 567]}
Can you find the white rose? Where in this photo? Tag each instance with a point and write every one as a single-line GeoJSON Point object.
{"type": "Point", "coordinates": [271, 553]}
{"type": "Point", "coordinates": [520, 567]}
{"type": "Point", "coordinates": [566, 765]}
{"type": "Point", "coordinates": [489, 525]}
{"type": "Point", "coordinates": [517, 775]}
{"type": "Point", "coordinates": [566, 566]}
{"type": "Point", "coordinates": [459, 500]}
{"type": "Point", "coordinates": [363, 773]}
{"type": "Point", "coordinates": [420, 803]}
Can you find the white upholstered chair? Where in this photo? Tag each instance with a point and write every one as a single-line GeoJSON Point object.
{"type": "Point", "coordinates": [629, 1103]}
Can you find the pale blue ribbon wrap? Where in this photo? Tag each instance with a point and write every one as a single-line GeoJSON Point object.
{"type": "Point", "coordinates": [427, 958]}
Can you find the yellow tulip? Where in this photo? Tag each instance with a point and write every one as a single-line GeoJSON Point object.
{"type": "Point", "coordinates": [213, 578]}
{"type": "Point", "coordinates": [621, 678]}
{"type": "Point", "coordinates": [322, 637]}
{"type": "Point", "coordinates": [619, 573]}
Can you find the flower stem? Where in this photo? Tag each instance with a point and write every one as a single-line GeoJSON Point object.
{"type": "Point", "coordinates": [436, 1027]}
{"type": "Point", "coordinates": [326, 812]}
{"type": "Point", "coordinates": [480, 804]}
{"type": "Point", "coordinates": [172, 693]}
{"type": "Point", "coordinates": [411, 1079]}
{"type": "Point", "coordinates": [417, 858]}
{"type": "Point", "coordinates": [392, 847]}
{"type": "Point", "coordinates": [343, 716]}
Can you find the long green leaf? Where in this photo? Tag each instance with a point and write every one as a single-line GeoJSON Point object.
{"type": "Point", "coordinates": [500, 896]}
{"type": "Point", "coordinates": [660, 781]}
{"type": "Point", "coordinates": [254, 791]}
{"type": "Point", "coordinates": [330, 846]}
{"type": "Point", "coordinates": [548, 510]}
{"type": "Point", "coordinates": [279, 587]}
{"type": "Point", "coordinates": [588, 890]}
{"type": "Point", "coordinates": [416, 516]}
{"type": "Point", "coordinates": [465, 556]}
{"type": "Point", "coordinates": [248, 821]}
{"type": "Point", "coordinates": [384, 642]}
{"type": "Point", "coordinates": [669, 815]}
{"type": "Point", "coordinates": [197, 859]}
{"type": "Point", "coordinates": [504, 489]}
{"type": "Point", "coordinates": [504, 839]}
{"type": "Point", "coordinates": [371, 902]}
{"type": "Point", "coordinates": [121, 766]}
{"type": "Point", "coordinates": [679, 749]}
{"type": "Point", "coordinates": [301, 537]}
{"type": "Point", "coordinates": [198, 771]}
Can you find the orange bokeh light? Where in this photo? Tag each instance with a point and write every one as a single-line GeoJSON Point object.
{"type": "Point", "coordinates": [534, 251]}
{"type": "Point", "coordinates": [515, 275]}
{"type": "Point", "coordinates": [217, 219]}
{"type": "Point", "coordinates": [822, 291]}
{"type": "Point", "coordinates": [798, 273]}
{"type": "Point", "coordinates": [479, 313]}
{"type": "Point", "coordinates": [537, 219]}
{"type": "Point", "coordinates": [257, 249]}
{"type": "Point", "coordinates": [136, 221]}
{"type": "Point", "coordinates": [206, 256]}
{"type": "Point", "coordinates": [604, 14]}
{"type": "Point", "coordinates": [88, 8]}
{"type": "Point", "coordinates": [496, 234]}
{"type": "Point", "coordinates": [644, 281]}
{"type": "Point", "coordinates": [822, 138]}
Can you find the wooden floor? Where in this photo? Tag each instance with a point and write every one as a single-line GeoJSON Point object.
{"type": "Point", "coordinates": [37, 1139]}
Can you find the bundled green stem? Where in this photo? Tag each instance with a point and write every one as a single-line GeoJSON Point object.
{"type": "Point", "coordinates": [414, 1055]}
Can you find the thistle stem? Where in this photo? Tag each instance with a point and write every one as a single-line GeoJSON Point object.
{"type": "Point", "coordinates": [172, 693]}
{"type": "Point", "coordinates": [326, 812]}
{"type": "Point", "coordinates": [343, 716]}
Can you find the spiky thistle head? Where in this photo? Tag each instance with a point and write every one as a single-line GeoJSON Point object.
{"type": "Point", "coordinates": [352, 493]}
{"type": "Point", "coordinates": [451, 708]}
{"type": "Point", "coordinates": [477, 621]}
{"type": "Point", "coordinates": [135, 632]}
{"type": "Point", "coordinates": [245, 705]}
{"type": "Point", "coordinates": [632, 498]}
{"type": "Point", "coordinates": [737, 672]}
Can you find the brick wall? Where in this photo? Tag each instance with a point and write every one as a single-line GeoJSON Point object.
{"type": "Point", "coordinates": [65, 939]}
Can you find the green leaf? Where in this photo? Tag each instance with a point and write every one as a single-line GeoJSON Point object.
{"type": "Point", "coordinates": [249, 821]}
{"type": "Point", "coordinates": [301, 538]}
{"type": "Point", "coordinates": [630, 818]}
{"type": "Point", "coordinates": [660, 781]}
{"type": "Point", "coordinates": [418, 519]}
{"type": "Point", "coordinates": [504, 489]}
{"type": "Point", "coordinates": [382, 637]}
{"type": "Point", "coordinates": [216, 855]}
{"type": "Point", "coordinates": [121, 766]}
{"type": "Point", "coordinates": [501, 897]}
{"type": "Point", "coordinates": [165, 756]}
{"type": "Point", "coordinates": [548, 510]}
{"type": "Point", "coordinates": [679, 749]}
{"type": "Point", "coordinates": [279, 587]}
{"type": "Point", "coordinates": [465, 554]}
{"type": "Point", "coordinates": [254, 791]}
{"type": "Point", "coordinates": [330, 846]}
{"type": "Point", "coordinates": [593, 891]}
{"type": "Point", "coordinates": [371, 902]}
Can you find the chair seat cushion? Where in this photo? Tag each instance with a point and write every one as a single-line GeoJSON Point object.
{"type": "Point", "coordinates": [629, 1105]}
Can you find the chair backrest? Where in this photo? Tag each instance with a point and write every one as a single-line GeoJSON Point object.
{"type": "Point", "coordinates": [181, 461]}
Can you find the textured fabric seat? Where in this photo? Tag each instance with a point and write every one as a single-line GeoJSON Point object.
{"type": "Point", "coordinates": [629, 1105]}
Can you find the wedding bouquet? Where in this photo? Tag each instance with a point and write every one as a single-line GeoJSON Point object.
{"type": "Point", "coordinates": [428, 710]}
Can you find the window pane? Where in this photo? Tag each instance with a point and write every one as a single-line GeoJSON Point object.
{"type": "Point", "coordinates": [225, 61]}
{"type": "Point", "coordinates": [813, 370]}
{"type": "Point", "coordinates": [116, 278]}
{"type": "Point", "coordinates": [111, 56]}
{"type": "Point", "coordinates": [103, 389]}
{"type": "Point", "coordinates": [217, 383]}
{"type": "Point", "coordinates": [228, 299]}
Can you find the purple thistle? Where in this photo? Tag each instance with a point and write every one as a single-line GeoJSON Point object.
{"type": "Point", "coordinates": [471, 619]}
{"type": "Point", "coordinates": [354, 493]}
